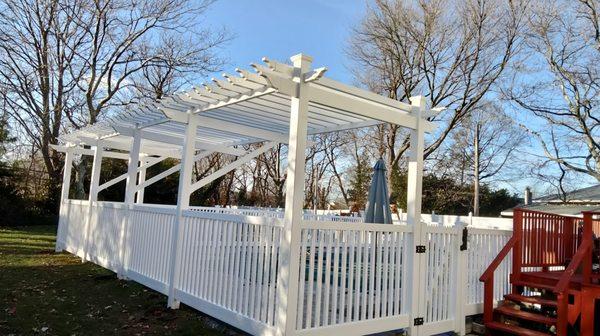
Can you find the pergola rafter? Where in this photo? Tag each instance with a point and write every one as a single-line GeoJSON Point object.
{"type": "Point", "coordinates": [248, 101]}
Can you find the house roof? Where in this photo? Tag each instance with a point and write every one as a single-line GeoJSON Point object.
{"type": "Point", "coordinates": [588, 194]}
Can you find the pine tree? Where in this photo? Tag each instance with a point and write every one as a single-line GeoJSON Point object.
{"type": "Point", "coordinates": [359, 183]}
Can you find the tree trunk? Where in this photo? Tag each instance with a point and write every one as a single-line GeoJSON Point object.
{"type": "Point", "coordinates": [80, 179]}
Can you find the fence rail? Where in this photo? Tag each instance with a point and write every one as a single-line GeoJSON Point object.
{"type": "Point", "coordinates": [352, 277]}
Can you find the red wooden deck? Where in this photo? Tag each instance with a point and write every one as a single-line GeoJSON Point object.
{"type": "Point", "coordinates": [565, 299]}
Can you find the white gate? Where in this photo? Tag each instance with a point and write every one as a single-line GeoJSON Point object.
{"type": "Point", "coordinates": [451, 261]}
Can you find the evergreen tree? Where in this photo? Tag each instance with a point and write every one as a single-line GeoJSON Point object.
{"type": "Point", "coordinates": [359, 183]}
{"type": "Point", "coordinates": [12, 205]}
{"type": "Point", "coordinates": [447, 196]}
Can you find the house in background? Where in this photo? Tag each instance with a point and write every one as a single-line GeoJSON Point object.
{"type": "Point", "coordinates": [575, 202]}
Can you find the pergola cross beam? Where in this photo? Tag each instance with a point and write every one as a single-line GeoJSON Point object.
{"type": "Point", "coordinates": [149, 163]}
{"type": "Point", "coordinates": [231, 127]}
{"type": "Point", "coordinates": [230, 167]}
{"type": "Point", "coordinates": [169, 139]}
{"type": "Point", "coordinates": [168, 172]}
{"type": "Point", "coordinates": [174, 153]}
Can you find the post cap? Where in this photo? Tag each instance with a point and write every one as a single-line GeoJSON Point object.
{"type": "Point", "coordinates": [301, 57]}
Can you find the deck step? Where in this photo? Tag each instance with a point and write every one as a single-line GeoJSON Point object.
{"type": "Point", "coordinates": [525, 315]}
{"type": "Point", "coordinates": [532, 284]}
{"type": "Point", "coordinates": [530, 299]}
{"type": "Point", "coordinates": [513, 329]}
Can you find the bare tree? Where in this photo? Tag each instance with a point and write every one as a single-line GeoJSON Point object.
{"type": "Point", "coordinates": [561, 84]}
{"type": "Point", "coordinates": [454, 52]}
{"type": "Point", "coordinates": [181, 61]}
{"type": "Point", "coordinates": [482, 147]}
{"type": "Point", "coordinates": [559, 180]}
{"type": "Point", "coordinates": [120, 38]}
{"type": "Point", "coordinates": [273, 164]}
{"type": "Point", "coordinates": [335, 155]}
{"type": "Point", "coordinates": [64, 63]}
{"type": "Point", "coordinates": [34, 73]}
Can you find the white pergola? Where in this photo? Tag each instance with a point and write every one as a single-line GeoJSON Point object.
{"type": "Point", "coordinates": [276, 103]}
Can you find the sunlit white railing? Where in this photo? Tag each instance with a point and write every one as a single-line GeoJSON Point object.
{"type": "Point", "coordinates": [484, 246]}
{"type": "Point", "coordinates": [71, 230]}
{"type": "Point", "coordinates": [350, 274]}
{"type": "Point", "coordinates": [231, 261]}
{"type": "Point", "coordinates": [148, 245]}
{"type": "Point", "coordinates": [352, 277]}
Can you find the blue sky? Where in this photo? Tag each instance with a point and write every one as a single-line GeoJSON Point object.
{"type": "Point", "coordinates": [319, 28]}
{"type": "Point", "coordinates": [280, 29]}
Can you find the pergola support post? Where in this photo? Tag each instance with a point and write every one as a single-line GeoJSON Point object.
{"type": "Point", "coordinates": [130, 189]}
{"type": "Point", "coordinates": [93, 195]}
{"type": "Point", "coordinates": [183, 203]}
{"type": "Point", "coordinates": [416, 261]}
{"type": "Point", "coordinates": [139, 196]}
{"type": "Point", "coordinates": [64, 196]}
{"type": "Point", "coordinates": [288, 276]}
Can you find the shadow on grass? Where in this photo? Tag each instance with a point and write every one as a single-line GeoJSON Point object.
{"type": "Point", "coordinates": [55, 294]}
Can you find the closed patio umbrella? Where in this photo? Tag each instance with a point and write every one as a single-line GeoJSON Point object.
{"type": "Point", "coordinates": [378, 203]}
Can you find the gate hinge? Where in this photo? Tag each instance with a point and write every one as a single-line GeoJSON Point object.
{"type": "Point", "coordinates": [418, 321]}
{"type": "Point", "coordinates": [421, 248]}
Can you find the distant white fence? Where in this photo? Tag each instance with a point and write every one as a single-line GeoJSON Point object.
{"type": "Point", "coordinates": [276, 214]}
{"type": "Point", "coordinates": [352, 276]}
{"type": "Point", "coordinates": [471, 221]}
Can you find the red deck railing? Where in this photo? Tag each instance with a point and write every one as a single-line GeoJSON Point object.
{"type": "Point", "coordinates": [546, 240]}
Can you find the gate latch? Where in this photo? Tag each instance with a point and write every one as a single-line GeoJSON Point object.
{"type": "Point", "coordinates": [421, 248]}
{"type": "Point", "coordinates": [418, 321]}
{"type": "Point", "coordinates": [465, 239]}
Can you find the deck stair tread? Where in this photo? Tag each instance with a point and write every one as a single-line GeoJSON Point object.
{"type": "Point", "coordinates": [552, 277]}
{"type": "Point", "coordinates": [530, 299]}
{"type": "Point", "coordinates": [532, 284]}
{"type": "Point", "coordinates": [525, 315]}
{"type": "Point", "coordinates": [513, 329]}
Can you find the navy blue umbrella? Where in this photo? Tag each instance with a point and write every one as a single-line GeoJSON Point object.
{"type": "Point", "coordinates": [378, 203]}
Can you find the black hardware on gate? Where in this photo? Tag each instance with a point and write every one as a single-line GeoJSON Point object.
{"type": "Point", "coordinates": [418, 321]}
{"type": "Point", "coordinates": [465, 238]}
{"type": "Point", "coordinates": [421, 249]}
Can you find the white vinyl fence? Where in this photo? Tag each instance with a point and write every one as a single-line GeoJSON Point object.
{"type": "Point", "coordinates": [353, 277]}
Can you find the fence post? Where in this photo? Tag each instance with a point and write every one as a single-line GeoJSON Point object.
{"type": "Point", "coordinates": [588, 234]}
{"type": "Point", "coordinates": [63, 219]}
{"type": "Point", "coordinates": [183, 202]}
{"type": "Point", "coordinates": [288, 275]}
{"type": "Point", "coordinates": [417, 264]}
{"type": "Point", "coordinates": [569, 239]}
{"type": "Point", "coordinates": [93, 196]}
{"type": "Point", "coordinates": [141, 178]}
{"type": "Point", "coordinates": [460, 283]}
{"type": "Point", "coordinates": [517, 254]}
{"type": "Point", "coordinates": [130, 186]}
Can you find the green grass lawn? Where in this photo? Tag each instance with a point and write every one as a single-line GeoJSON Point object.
{"type": "Point", "coordinates": [48, 293]}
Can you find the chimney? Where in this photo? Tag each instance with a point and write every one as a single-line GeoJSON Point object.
{"type": "Point", "coordinates": [528, 196]}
